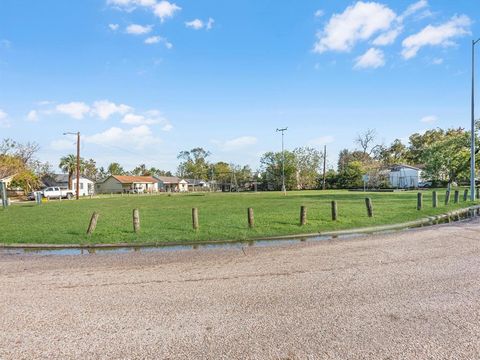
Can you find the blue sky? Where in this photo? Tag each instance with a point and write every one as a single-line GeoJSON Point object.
{"type": "Point", "coordinates": [144, 79]}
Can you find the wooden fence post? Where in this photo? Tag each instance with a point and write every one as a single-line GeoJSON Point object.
{"type": "Point", "coordinates": [93, 224]}
{"type": "Point", "coordinates": [303, 215]}
{"type": "Point", "coordinates": [136, 220]}
{"type": "Point", "coordinates": [251, 218]}
{"type": "Point", "coordinates": [434, 199]}
{"type": "Point", "coordinates": [447, 197]}
{"type": "Point", "coordinates": [465, 195]}
{"type": "Point", "coordinates": [368, 203]}
{"type": "Point", "coordinates": [419, 201]}
{"type": "Point", "coordinates": [334, 211]}
{"type": "Point", "coordinates": [3, 194]}
{"type": "Point", "coordinates": [456, 197]}
{"type": "Point", "coordinates": [195, 219]}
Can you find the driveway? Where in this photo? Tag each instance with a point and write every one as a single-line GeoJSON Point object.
{"type": "Point", "coordinates": [405, 295]}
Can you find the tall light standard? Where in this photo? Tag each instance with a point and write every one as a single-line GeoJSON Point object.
{"type": "Point", "coordinates": [77, 185]}
{"type": "Point", "coordinates": [472, 150]}
{"type": "Point", "coordinates": [284, 189]}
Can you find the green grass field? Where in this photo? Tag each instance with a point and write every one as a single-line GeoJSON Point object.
{"type": "Point", "coordinates": [222, 216]}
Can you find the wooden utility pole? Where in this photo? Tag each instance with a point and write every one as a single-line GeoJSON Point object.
{"type": "Point", "coordinates": [324, 167]}
{"type": "Point", "coordinates": [77, 190]}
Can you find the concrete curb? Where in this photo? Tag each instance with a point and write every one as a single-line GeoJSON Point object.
{"type": "Point", "coordinates": [428, 221]}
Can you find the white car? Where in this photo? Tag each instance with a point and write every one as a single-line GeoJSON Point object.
{"type": "Point", "coordinates": [58, 193]}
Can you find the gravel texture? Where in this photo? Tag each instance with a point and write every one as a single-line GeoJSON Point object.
{"type": "Point", "coordinates": [406, 295]}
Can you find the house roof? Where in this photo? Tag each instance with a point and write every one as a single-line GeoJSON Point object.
{"type": "Point", "coordinates": [195, 182]}
{"type": "Point", "coordinates": [7, 178]}
{"type": "Point", "coordinates": [168, 179]}
{"type": "Point", "coordinates": [399, 166]}
{"type": "Point", "coordinates": [56, 179]}
{"type": "Point", "coordinates": [124, 179]}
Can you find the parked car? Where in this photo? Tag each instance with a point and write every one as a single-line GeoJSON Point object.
{"type": "Point", "coordinates": [57, 193]}
{"type": "Point", "coordinates": [424, 184]}
{"type": "Point", "coordinates": [33, 195]}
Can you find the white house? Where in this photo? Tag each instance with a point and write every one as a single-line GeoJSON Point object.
{"type": "Point", "coordinates": [123, 184]}
{"type": "Point", "coordinates": [171, 184]}
{"type": "Point", "coordinates": [404, 176]}
{"type": "Point", "coordinates": [87, 185]}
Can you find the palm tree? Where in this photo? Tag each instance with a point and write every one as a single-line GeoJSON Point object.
{"type": "Point", "coordinates": [68, 164]}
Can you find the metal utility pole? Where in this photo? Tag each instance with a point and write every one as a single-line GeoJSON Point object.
{"type": "Point", "coordinates": [472, 150]}
{"type": "Point", "coordinates": [284, 189]}
{"type": "Point", "coordinates": [77, 185]}
{"type": "Point", "coordinates": [324, 167]}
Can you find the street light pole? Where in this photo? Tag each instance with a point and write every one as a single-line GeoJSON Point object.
{"type": "Point", "coordinates": [77, 185]}
{"type": "Point", "coordinates": [284, 189]}
{"type": "Point", "coordinates": [472, 149]}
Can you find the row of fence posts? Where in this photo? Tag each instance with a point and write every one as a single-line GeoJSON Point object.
{"type": "Point", "coordinates": [456, 198]}
{"type": "Point", "coordinates": [303, 211]}
{"type": "Point", "coordinates": [250, 217]}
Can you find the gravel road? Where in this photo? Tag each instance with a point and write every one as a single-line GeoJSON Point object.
{"type": "Point", "coordinates": [405, 295]}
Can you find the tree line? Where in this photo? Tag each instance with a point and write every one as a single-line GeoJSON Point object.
{"type": "Point", "coordinates": [443, 154]}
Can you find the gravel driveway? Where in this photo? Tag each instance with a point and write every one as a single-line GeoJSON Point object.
{"type": "Point", "coordinates": [406, 295]}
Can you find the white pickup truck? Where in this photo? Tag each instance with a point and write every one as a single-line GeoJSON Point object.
{"type": "Point", "coordinates": [57, 193]}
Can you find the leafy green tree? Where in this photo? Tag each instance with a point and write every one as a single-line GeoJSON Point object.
{"type": "Point", "coordinates": [448, 158]}
{"type": "Point", "coordinates": [351, 175]}
{"type": "Point", "coordinates": [308, 162]}
{"type": "Point", "coordinates": [194, 164]}
{"type": "Point", "coordinates": [90, 169]}
{"type": "Point", "coordinates": [271, 165]}
{"type": "Point", "coordinates": [396, 153]}
{"type": "Point", "coordinates": [221, 172]}
{"type": "Point", "coordinates": [68, 164]}
{"type": "Point", "coordinates": [115, 169]}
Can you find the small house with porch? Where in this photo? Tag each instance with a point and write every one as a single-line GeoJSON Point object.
{"type": "Point", "coordinates": [118, 184]}
{"type": "Point", "coordinates": [171, 184]}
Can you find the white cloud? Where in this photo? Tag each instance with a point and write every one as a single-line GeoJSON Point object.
{"type": "Point", "coordinates": [237, 143]}
{"type": "Point", "coordinates": [413, 8]}
{"type": "Point", "coordinates": [4, 122]}
{"type": "Point", "coordinates": [210, 23]}
{"type": "Point", "coordinates": [62, 144]}
{"type": "Point", "coordinates": [76, 110]}
{"type": "Point", "coordinates": [158, 39]}
{"type": "Point", "coordinates": [44, 102]}
{"type": "Point", "coordinates": [104, 109]}
{"type": "Point", "coordinates": [137, 137]}
{"type": "Point", "coordinates": [165, 9]}
{"type": "Point", "coordinates": [441, 35]}
{"type": "Point", "coordinates": [430, 119]}
{"type": "Point", "coordinates": [322, 140]}
{"type": "Point", "coordinates": [136, 29]}
{"type": "Point", "coordinates": [319, 13]}
{"type": "Point", "coordinates": [6, 44]}
{"type": "Point", "coordinates": [196, 24]}
{"type": "Point", "coordinates": [373, 58]}
{"type": "Point", "coordinates": [357, 23]}
{"type": "Point", "coordinates": [389, 37]}
{"type": "Point", "coordinates": [130, 5]}
{"type": "Point", "coordinates": [32, 116]}
{"type": "Point", "coordinates": [113, 27]}
{"type": "Point", "coordinates": [437, 61]}
{"type": "Point", "coordinates": [153, 40]}
{"type": "Point", "coordinates": [151, 117]}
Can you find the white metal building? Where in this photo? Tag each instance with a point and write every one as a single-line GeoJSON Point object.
{"type": "Point", "coordinates": [405, 176]}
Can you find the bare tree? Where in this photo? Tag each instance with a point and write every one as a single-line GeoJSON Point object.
{"type": "Point", "coordinates": [366, 141]}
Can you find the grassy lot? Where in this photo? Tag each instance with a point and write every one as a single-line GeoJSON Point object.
{"type": "Point", "coordinates": [222, 216]}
